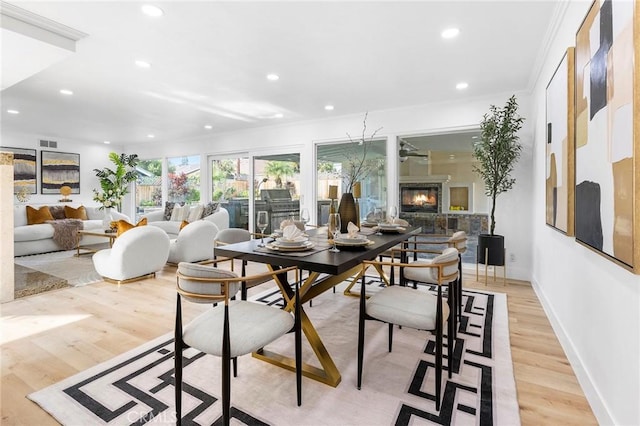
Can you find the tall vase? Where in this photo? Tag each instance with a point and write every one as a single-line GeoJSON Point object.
{"type": "Point", "coordinates": [106, 219]}
{"type": "Point", "coordinates": [348, 211]}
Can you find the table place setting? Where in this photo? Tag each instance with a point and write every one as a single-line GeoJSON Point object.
{"type": "Point", "coordinates": [353, 238]}
{"type": "Point", "coordinates": [292, 240]}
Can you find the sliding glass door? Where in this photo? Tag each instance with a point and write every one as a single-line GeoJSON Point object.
{"type": "Point", "coordinates": [276, 180]}
{"type": "Point", "coordinates": [230, 186]}
{"type": "Point", "coordinates": [335, 164]}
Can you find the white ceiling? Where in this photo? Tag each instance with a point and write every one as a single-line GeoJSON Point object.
{"type": "Point", "coordinates": [210, 61]}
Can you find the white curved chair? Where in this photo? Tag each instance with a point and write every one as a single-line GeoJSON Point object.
{"type": "Point", "coordinates": [194, 242]}
{"type": "Point", "coordinates": [136, 254]}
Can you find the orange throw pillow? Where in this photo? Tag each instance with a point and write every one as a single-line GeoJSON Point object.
{"type": "Point", "coordinates": [124, 226]}
{"type": "Point", "coordinates": [183, 224]}
{"type": "Point", "coordinates": [79, 213]}
{"type": "Point", "coordinates": [36, 216]}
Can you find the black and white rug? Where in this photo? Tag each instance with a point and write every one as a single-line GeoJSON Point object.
{"type": "Point", "coordinates": [398, 388]}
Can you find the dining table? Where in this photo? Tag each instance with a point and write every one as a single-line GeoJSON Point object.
{"type": "Point", "coordinates": [326, 269]}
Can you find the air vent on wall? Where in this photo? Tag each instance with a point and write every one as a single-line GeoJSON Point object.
{"type": "Point", "coordinates": [48, 144]}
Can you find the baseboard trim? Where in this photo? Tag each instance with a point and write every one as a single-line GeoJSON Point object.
{"type": "Point", "coordinates": [600, 410]}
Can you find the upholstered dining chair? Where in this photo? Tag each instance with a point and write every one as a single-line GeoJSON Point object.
{"type": "Point", "coordinates": [232, 236]}
{"type": "Point", "coordinates": [457, 240]}
{"type": "Point", "coordinates": [229, 329]}
{"type": "Point", "coordinates": [194, 243]}
{"type": "Point", "coordinates": [413, 308]}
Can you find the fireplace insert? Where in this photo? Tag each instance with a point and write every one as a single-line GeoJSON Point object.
{"type": "Point", "coordinates": [419, 199]}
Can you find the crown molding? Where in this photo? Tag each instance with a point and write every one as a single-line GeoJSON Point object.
{"type": "Point", "coordinates": [30, 24]}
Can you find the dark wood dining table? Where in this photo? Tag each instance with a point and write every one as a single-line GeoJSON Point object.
{"type": "Point", "coordinates": [326, 270]}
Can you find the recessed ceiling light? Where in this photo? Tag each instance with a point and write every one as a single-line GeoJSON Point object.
{"type": "Point", "coordinates": [462, 85]}
{"type": "Point", "coordinates": [278, 115]}
{"type": "Point", "coordinates": [66, 92]}
{"type": "Point", "coordinates": [151, 10]}
{"type": "Point", "coordinates": [208, 126]}
{"type": "Point", "coordinates": [13, 111]}
{"type": "Point", "coordinates": [450, 33]}
{"type": "Point", "coordinates": [143, 64]}
{"type": "Point", "coordinates": [151, 136]}
{"type": "Point", "coordinates": [328, 107]}
{"type": "Point", "coordinates": [107, 142]}
{"type": "Point", "coordinates": [452, 157]}
{"type": "Point", "coordinates": [273, 77]}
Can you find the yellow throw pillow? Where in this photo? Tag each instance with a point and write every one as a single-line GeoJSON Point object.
{"type": "Point", "coordinates": [79, 213]}
{"type": "Point", "coordinates": [36, 216]}
{"type": "Point", "coordinates": [124, 226]}
{"type": "Point", "coordinates": [183, 224]}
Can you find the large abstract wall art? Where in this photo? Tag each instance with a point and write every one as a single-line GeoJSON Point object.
{"type": "Point", "coordinates": [607, 101]}
{"type": "Point", "coordinates": [59, 169]}
{"type": "Point", "coordinates": [560, 147]}
{"type": "Point", "coordinates": [24, 169]}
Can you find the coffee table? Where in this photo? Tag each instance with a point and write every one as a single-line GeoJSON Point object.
{"type": "Point", "coordinates": [90, 249]}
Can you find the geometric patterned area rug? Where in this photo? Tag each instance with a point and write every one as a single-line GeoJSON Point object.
{"type": "Point", "coordinates": [77, 271]}
{"type": "Point", "coordinates": [398, 387]}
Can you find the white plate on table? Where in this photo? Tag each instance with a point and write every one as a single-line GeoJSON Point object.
{"type": "Point", "coordinates": [390, 227]}
{"type": "Point", "coordinates": [296, 242]}
{"type": "Point", "coordinates": [359, 241]}
{"type": "Point", "coordinates": [306, 245]}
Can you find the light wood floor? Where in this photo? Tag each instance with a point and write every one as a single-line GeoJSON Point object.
{"type": "Point", "coordinates": [48, 337]}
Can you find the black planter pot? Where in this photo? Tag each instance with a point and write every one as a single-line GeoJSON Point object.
{"type": "Point", "coordinates": [495, 244]}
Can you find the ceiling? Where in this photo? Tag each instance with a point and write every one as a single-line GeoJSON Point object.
{"type": "Point", "coordinates": [210, 60]}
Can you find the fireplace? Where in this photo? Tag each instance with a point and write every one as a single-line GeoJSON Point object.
{"type": "Point", "coordinates": [420, 197]}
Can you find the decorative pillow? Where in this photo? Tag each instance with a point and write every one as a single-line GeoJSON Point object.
{"type": "Point", "coordinates": [180, 213]}
{"type": "Point", "coordinates": [36, 216]}
{"type": "Point", "coordinates": [79, 213]}
{"type": "Point", "coordinates": [168, 209]}
{"type": "Point", "coordinates": [210, 209]}
{"type": "Point", "coordinates": [124, 226]}
{"type": "Point", "coordinates": [195, 212]}
{"type": "Point", "coordinates": [183, 224]}
{"type": "Point", "coordinates": [57, 212]}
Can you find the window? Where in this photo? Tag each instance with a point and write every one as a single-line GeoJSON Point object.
{"type": "Point", "coordinates": [333, 165]}
{"type": "Point", "coordinates": [148, 186]}
{"type": "Point", "coordinates": [230, 178]}
{"type": "Point", "coordinates": [277, 187]}
{"type": "Point", "coordinates": [183, 179]}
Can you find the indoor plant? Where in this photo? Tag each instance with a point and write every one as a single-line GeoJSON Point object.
{"type": "Point", "coordinates": [114, 183]}
{"type": "Point", "coordinates": [497, 152]}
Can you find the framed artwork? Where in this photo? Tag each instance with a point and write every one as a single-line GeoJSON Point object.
{"type": "Point", "coordinates": [607, 145]}
{"type": "Point", "coordinates": [59, 169]}
{"type": "Point", "coordinates": [24, 170]}
{"type": "Point", "coordinates": [560, 164]}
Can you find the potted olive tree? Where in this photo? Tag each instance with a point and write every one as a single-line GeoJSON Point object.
{"type": "Point", "coordinates": [497, 153]}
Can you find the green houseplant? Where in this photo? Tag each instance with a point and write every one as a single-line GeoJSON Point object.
{"type": "Point", "coordinates": [114, 183]}
{"type": "Point", "coordinates": [497, 153]}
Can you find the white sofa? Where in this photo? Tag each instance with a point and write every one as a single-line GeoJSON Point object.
{"type": "Point", "coordinates": [34, 239]}
{"type": "Point", "coordinates": [220, 218]}
{"type": "Point", "coordinates": [138, 252]}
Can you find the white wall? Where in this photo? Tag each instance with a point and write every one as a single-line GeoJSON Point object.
{"type": "Point", "coordinates": [92, 156]}
{"type": "Point", "coordinates": [419, 119]}
{"type": "Point", "coordinates": [592, 303]}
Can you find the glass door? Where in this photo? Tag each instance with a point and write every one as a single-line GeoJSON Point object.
{"type": "Point", "coordinates": [276, 183]}
{"type": "Point", "coordinates": [336, 163]}
{"type": "Point", "coordinates": [230, 186]}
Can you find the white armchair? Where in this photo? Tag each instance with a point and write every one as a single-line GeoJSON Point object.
{"type": "Point", "coordinates": [194, 243]}
{"type": "Point", "coordinates": [136, 254]}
